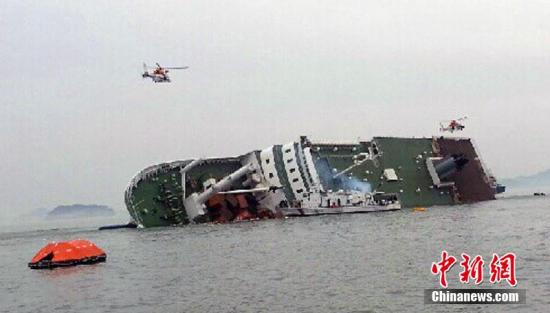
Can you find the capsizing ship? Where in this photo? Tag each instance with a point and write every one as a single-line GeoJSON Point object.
{"type": "Point", "coordinates": [312, 178]}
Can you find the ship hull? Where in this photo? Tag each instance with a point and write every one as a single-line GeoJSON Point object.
{"type": "Point", "coordinates": [311, 178]}
{"type": "Point", "coordinates": [340, 210]}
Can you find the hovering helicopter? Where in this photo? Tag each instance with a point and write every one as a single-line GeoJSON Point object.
{"type": "Point", "coordinates": [453, 125]}
{"type": "Point", "coordinates": [159, 74]}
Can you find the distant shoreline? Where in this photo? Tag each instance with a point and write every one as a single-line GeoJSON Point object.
{"type": "Point", "coordinates": [79, 210]}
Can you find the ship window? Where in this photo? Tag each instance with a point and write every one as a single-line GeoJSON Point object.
{"type": "Point", "coordinates": [292, 170]}
{"type": "Point", "coordinates": [266, 161]}
{"type": "Point", "coordinates": [287, 151]}
{"type": "Point", "coordinates": [289, 160]}
{"type": "Point", "coordinates": [270, 175]}
{"type": "Point", "coordinates": [299, 190]}
{"type": "Point", "coordinates": [295, 180]}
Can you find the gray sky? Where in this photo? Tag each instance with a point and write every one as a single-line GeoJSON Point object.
{"type": "Point", "coordinates": [77, 121]}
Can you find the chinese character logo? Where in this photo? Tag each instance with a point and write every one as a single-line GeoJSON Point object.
{"type": "Point", "coordinates": [442, 267]}
{"type": "Point", "coordinates": [503, 268]}
{"type": "Point", "coordinates": [471, 269]}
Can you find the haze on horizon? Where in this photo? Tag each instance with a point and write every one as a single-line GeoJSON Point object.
{"type": "Point", "coordinates": [77, 121]}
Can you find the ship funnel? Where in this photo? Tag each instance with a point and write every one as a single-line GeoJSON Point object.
{"type": "Point", "coordinates": [443, 168]}
{"type": "Point", "coordinates": [449, 166]}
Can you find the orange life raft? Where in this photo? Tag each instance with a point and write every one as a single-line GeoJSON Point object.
{"type": "Point", "coordinates": [67, 253]}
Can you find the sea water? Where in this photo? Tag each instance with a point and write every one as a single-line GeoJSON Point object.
{"type": "Point", "coordinates": [375, 262]}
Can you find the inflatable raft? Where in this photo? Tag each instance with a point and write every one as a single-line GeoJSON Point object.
{"type": "Point", "coordinates": [67, 253]}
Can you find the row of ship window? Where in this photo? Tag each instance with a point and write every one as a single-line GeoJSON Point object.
{"type": "Point", "coordinates": [287, 161]}
{"type": "Point", "coordinates": [292, 170]}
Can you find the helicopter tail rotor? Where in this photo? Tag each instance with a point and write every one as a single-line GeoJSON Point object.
{"type": "Point", "coordinates": [145, 72]}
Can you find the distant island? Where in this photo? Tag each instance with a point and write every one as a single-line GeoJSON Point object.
{"type": "Point", "coordinates": [80, 210]}
{"type": "Point", "coordinates": [541, 179]}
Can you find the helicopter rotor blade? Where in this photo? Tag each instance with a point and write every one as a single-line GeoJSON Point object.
{"type": "Point", "coordinates": [149, 67]}
{"type": "Point", "coordinates": [177, 68]}
{"type": "Point", "coordinates": [158, 65]}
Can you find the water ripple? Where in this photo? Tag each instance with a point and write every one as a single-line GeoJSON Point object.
{"type": "Point", "coordinates": [348, 263]}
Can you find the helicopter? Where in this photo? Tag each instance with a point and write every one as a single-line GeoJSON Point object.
{"type": "Point", "coordinates": [159, 74]}
{"type": "Point", "coordinates": [453, 125]}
